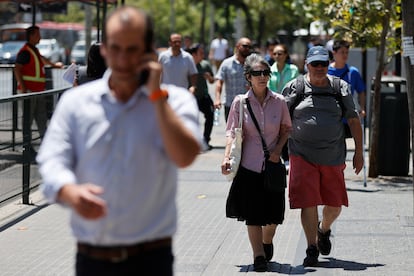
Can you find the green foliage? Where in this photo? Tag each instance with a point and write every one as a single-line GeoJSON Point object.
{"type": "Point", "coordinates": [359, 21]}
{"type": "Point", "coordinates": [74, 14]}
{"type": "Point", "coordinates": [356, 20]}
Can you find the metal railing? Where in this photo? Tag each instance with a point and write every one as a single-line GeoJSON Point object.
{"type": "Point", "coordinates": [18, 169]}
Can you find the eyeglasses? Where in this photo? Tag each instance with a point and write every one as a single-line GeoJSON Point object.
{"type": "Point", "coordinates": [247, 46]}
{"type": "Point", "coordinates": [278, 53]}
{"type": "Point", "coordinates": [264, 73]}
{"type": "Point", "coordinates": [319, 63]}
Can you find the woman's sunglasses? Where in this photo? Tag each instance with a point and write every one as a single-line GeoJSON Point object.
{"type": "Point", "coordinates": [263, 73]}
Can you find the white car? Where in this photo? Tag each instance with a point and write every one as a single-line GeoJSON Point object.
{"type": "Point", "coordinates": [51, 49]}
{"type": "Point", "coordinates": [78, 53]}
{"type": "Point", "coordinates": [9, 50]}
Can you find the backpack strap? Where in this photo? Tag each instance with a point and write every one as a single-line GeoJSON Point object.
{"type": "Point", "coordinates": [346, 72]}
{"type": "Point", "coordinates": [336, 85]}
{"type": "Point", "coordinates": [300, 93]}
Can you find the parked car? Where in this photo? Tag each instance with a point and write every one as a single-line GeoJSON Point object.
{"type": "Point", "coordinates": [78, 53]}
{"type": "Point", "coordinates": [9, 50]}
{"type": "Point", "coordinates": [51, 49]}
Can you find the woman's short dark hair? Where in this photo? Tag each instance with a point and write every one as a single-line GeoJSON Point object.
{"type": "Point", "coordinates": [96, 64]}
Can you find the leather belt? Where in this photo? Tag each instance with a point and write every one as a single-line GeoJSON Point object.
{"type": "Point", "coordinates": [117, 254]}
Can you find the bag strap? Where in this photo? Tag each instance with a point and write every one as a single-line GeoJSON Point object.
{"type": "Point", "coordinates": [265, 149]}
{"type": "Point", "coordinates": [241, 111]}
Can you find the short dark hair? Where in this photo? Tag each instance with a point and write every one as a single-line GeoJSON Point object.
{"type": "Point", "coordinates": [194, 48]}
{"type": "Point", "coordinates": [31, 30]}
{"type": "Point", "coordinates": [272, 41]}
{"type": "Point", "coordinates": [339, 44]}
{"type": "Point", "coordinates": [149, 24]}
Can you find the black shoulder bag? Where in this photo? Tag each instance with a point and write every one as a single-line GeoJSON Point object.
{"type": "Point", "coordinates": [274, 173]}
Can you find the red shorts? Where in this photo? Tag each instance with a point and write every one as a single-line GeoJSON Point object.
{"type": "Point", "coordinates": [312, 185]}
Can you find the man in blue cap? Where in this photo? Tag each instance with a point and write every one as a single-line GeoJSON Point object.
{"type": "Point", "coordinates": [317, 151]}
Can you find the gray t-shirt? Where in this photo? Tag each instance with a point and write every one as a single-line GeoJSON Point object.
{"type": "Point", "coordinates": [317, 128]}
{"type": "Point", "coordinates": [177, 69]}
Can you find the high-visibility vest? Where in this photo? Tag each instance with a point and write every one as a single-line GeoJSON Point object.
{"type": "Point", "coordinates": [34, 76]}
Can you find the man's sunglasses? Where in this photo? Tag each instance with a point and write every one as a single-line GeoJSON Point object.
{"type": "Point", "coordinates": [319, 63]}
{"type": "Point", "coordinates": [263, 73]}
{"type": "Point", "coordinates": [247, 46]}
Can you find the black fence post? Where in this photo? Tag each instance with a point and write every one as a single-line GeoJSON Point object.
{"type": "Point", "coordinates": [27, 144]}
{"type": "Point", "coordinates": [14, 112]}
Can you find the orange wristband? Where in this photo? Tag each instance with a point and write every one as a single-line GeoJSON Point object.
{"type": "Point", "coordinates": [158, 94]}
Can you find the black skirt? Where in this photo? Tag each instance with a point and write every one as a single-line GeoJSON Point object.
{"type": "Point", "coordinates": [248, 201]}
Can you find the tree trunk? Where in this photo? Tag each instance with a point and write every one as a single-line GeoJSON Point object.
{"type": "Point", "coordinates": [203, 22]}
{"type": "Point", "coordinates": [408, 31]}
{"type": "Point", "coordinates": [375, 124]}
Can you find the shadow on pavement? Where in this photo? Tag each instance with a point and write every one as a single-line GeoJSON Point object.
{"type": "Point", "coordinates": [346, 265]}
{"type": "Point", "coordinates": [300, 269]}
{"type": "Point", "coordinates": [20, 218]}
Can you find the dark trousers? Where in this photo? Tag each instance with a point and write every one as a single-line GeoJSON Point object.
{"type": "Point", "coordinates": [285, 152]}
{"type": "Point", "coordinates": [154, 262]}
{"type": "Point", "coordinates": [206, 106]}
{"type": "Point", "coordinates": [226, 112]}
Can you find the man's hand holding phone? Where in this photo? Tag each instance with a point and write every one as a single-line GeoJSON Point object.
{"type": "Point", "coordinates": [149, 74]}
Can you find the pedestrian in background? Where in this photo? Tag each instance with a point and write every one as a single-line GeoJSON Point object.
{"type": "Point", "coordinates": [111, 155]}
{"type": "Point", "coordinates": [95, 67]}
{"type": "Point", "coordinates": [350, 74]}
{"type": "Point", "coordinates": [178, 66]}
{"type": "Point", "coordinates": [231, 74]}
{"type": "Point", "coordinates": [30, 74]}
{"type": "Point", "coordinates": [248, 200]}
{"type": "Point", "coordinates": [270, 45]}
{"type": "Point", "coordinates": [282, 72]}
{"type": "Point", "coordinates": [219, 50]}
{"type": "Point", "coordinates": [204, 101]}
{"type": "Point", "coordinates": [317, 151]}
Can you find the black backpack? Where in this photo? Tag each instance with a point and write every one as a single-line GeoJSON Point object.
{"type": "Point", "coordinates": [300, 96]}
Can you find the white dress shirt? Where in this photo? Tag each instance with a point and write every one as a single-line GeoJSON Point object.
{"type": "Point", "coordinates": [93, 138]}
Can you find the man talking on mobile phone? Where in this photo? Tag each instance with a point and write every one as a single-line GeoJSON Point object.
{"type": "Point", "coordinates": [111, 155]}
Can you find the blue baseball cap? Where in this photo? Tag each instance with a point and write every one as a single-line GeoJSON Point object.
{"type": "Point", "coordinates": [317, 53]}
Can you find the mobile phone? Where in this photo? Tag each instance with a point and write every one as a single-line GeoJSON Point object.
{"type": "Point", "coordinates": [143, 77]}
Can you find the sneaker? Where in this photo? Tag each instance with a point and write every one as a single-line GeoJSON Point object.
{"type": "Point", "coordinates": [260, 264]}
{"type": "Point", "coordinates": [324, 244]}
{"type": "Point", "coordinates": [268, 249]}
{"type": "Point", "coordinates": [312, 255]}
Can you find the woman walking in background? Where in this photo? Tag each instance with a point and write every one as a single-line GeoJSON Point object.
{"type": "Point", "coordinates": [282, 73]}
{"type": "Point", "coordinates": [248, 200]}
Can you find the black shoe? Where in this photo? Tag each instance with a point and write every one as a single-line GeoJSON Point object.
{"type": "Point", "coordinates": [312, 254]}
{"type": "Point", "coordinates": [260, 264]}
{"type": "Point", "coordinates": [324, 244]}
{"type": "Point", "coordinates": [268, 249]}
